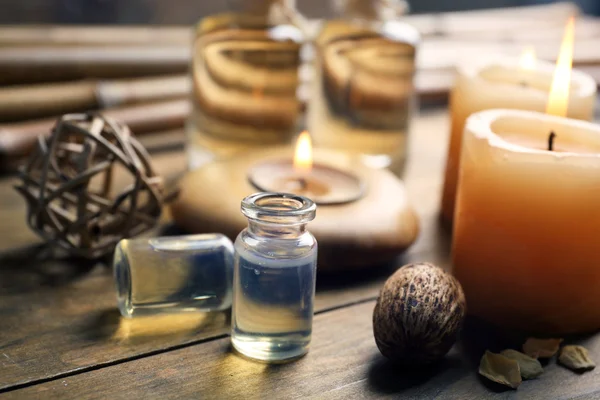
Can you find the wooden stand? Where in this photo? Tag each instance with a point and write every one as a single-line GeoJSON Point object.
{"type": "Point", "coordinates": [359, 234]}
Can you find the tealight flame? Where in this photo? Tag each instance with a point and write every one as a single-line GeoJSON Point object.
{"type": "Point", "coordinates": [303, 154]}
{"type": "Point", "coordinates": [558, 101]}
{"type": "Point", "coordinates": [528, 58]}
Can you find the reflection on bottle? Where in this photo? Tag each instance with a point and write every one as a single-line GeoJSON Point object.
{"type": "Point", "coordinates": [174, 274]}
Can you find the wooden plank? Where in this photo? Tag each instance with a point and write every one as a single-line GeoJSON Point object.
{"type": "Point", "coordinates": [60, 63]}
{"type": "Point", "coordinates": [119, 35]}
{"type": "Point", "coordinates": [18, 139]}
{"type": "Point", "coordinates": [58, 319]}
{"type": "Point", "coordinates": [343, 363]}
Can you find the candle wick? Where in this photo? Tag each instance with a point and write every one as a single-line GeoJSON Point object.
{"type": "Point", "coordinates": [551, 141]}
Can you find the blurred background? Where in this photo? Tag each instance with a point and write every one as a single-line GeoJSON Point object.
{"type": "Point", "coordinates": [189, 11]}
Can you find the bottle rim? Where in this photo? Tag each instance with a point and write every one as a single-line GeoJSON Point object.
{"type": "Point", "coordinates": [279, 208]}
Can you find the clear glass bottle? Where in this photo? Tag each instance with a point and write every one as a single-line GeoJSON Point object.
{"type": "Point", "coordinates": [363, 92]}
{"type": "Point", "coordinates": [274, 278]}
{"type": "Point", "coordinates": [173, 274]}
{"type": "Point", "coordinates": [245, 78]}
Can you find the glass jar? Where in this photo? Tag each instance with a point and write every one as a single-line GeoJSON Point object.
{"type": "Point", "coordinates": [363, 91]}
{"type": "Point", "coordinates": [173, 274]}
{"type": "Point", "coordinates": [274, 278]}
{"type": "Point", "coordinates": [245, 77]}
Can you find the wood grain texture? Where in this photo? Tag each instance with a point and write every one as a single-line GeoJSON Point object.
{"type": "Point", "coordinates": [64, 35]}
{"type": "Point", "coordinates": [59, 63]}
{"type": "Point", "coordinates": [19, 138]}
{"type": "Point", "coordinates": [59, 317]}
{"type": "Point", "coordinates": [23, 102]}
{"type": "Point", "coordinates": [343, 363]}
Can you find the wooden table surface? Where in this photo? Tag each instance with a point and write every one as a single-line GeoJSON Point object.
{"type": "Point", "coordinates": [61, 335]}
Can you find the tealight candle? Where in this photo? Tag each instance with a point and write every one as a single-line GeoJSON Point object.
{"type": "Point", "coordinates": [324, 184]}
{"type": "Point", "coordinates": [505, 83]}
{"type": "Point", "coordinates": [525, 245]}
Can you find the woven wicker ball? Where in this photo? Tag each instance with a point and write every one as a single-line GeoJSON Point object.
{"type": "Point", "coordinates": [69, 189]}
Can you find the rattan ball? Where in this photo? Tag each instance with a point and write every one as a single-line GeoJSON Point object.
{"type": "Point", "coordinates": [69, 184]}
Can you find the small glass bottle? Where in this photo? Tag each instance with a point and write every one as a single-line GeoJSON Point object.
{"type": "Point", "coordinates": [244, 75]}
{"type": "Point", "coordinates": [173, 274]}
{"type": "Point", "coordinates": [274, 278]}
{"type": "Point", "coordinates": [363, 93]}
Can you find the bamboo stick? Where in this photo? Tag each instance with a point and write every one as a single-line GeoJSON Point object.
{"type": "Point", "coordinates": [36, 101]}
{"type": "Point", "coordinates": [55, 63]}
{"type": "Point", "coordinates": [17, 139]}
{"type": "Point", "coordinates": [67, 35]}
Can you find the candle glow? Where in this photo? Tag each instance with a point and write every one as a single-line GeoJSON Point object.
{"type": "Point", "coordinates": [322, 183]}
{"type": "Point", "coordinates": [500, 82]}
{"type": "Point", "coordinates": [558, 100]}
{"type": "Point", "coordinates": [528, 59]}
{"type": "Point", "coordinates": [303, 154]}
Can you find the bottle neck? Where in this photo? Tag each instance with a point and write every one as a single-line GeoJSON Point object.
{"type": "Point", "coordinates": [277, 215]}
{"type": "Point", "coordinates": [275, 231]}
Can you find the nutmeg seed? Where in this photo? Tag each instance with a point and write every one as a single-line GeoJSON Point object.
{"type": "Point", "coordinates": [418, 314]}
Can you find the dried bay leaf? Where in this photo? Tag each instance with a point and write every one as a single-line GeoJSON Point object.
{"type": "Point", "coordinates": [529, 367]}
{"type": "Point", "coordinates": [576, 358]}
{"type": "Point", "coordinates": [541, 348]}
{"type": "Point", "coordinates": [500, 369]}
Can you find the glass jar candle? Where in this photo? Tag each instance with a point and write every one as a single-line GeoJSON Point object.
{"type": "Point", "coordinates": [274, 278]}
{"type": "Point", "coordinates": [173, 274]}
{"type": "Point", "coordinates": [244, 75]}
{"type": "Point", "coordinates": [363, 93]}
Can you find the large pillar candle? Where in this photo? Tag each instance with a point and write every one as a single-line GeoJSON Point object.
{"type": "Point", "coordinates": [504, 83]}
{"type": "Point", "coordinates": [527, 223]}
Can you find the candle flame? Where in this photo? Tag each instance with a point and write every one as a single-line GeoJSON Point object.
{"type": "Point", "coordinates": [303, 155]}
{"type": "Point", "coordinates": [528, 58]}
{"type": "Point", "coordinates": [558, 101]}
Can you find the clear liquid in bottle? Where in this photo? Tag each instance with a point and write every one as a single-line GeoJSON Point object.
{"type": "Point", "coordinates": [173, 274]}
{"type": "Point", "coordinates": [273, 306]}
